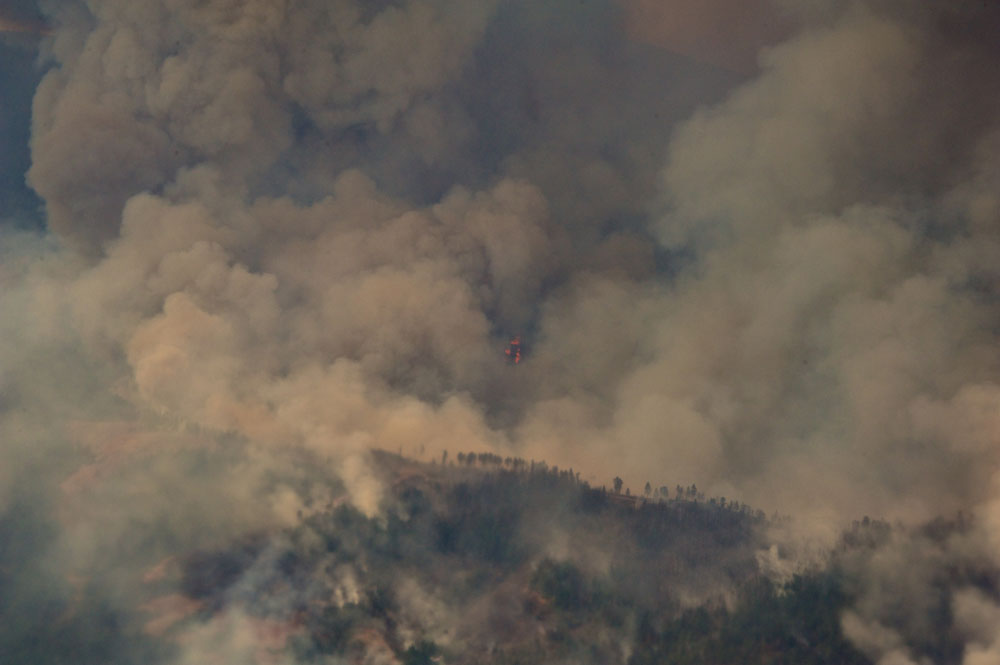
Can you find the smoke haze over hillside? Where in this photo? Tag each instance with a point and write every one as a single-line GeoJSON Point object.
{"type": "Point", "coordinates": [280, 231]}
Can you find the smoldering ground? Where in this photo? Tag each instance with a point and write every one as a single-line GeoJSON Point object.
{"type": "Point", "coordinates": [308, 229]}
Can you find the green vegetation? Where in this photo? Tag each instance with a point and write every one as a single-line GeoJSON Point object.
{"type": "Point", "coordinates": [421, 654]}
{"type": "Point", "coordinates": [501, 562]}
{"type": "Point", "coordinates": [795, 624]}
{"type": "Point", "coordinates": [473, 538]}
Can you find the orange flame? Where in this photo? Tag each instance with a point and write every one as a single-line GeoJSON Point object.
{"type": "Point", "coordinates": [513, 350]}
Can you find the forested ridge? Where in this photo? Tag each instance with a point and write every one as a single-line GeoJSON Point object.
{"type": "Point", "coordinates": [487, 560]}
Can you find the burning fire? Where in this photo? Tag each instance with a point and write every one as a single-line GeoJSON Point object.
{"type": "Point", "coordinates": [513, 350]}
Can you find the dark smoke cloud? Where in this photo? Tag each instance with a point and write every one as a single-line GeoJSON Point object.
{"type": "Point", "coordinates": [309, 230]}
{"type": "Point", "coordinates": [19, 76]}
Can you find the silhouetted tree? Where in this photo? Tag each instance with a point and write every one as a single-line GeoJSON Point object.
{"type": "Point", "coordinates": [618, 485]}
{"type": "Point", "coordinates": [420, 654]}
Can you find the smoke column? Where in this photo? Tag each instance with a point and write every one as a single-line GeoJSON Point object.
{"type": "Point", "coordinates": [300, 231]}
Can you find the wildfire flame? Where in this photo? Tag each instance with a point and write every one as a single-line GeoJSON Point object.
{"type": "Point", "coordinates": [513, 350]}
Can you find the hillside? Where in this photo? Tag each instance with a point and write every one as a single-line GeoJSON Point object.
{"type": "Point", "coordinates": [485, 565]}
{"type": "Point", "coordinates": [490, 561]}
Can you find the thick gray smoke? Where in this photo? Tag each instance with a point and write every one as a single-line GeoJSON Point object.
{"type": "Point", "coordinates": [308, 229]}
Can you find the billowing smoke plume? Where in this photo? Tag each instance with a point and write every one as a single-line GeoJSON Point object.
{"type": "Point", "coordinates": [284, 234]}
